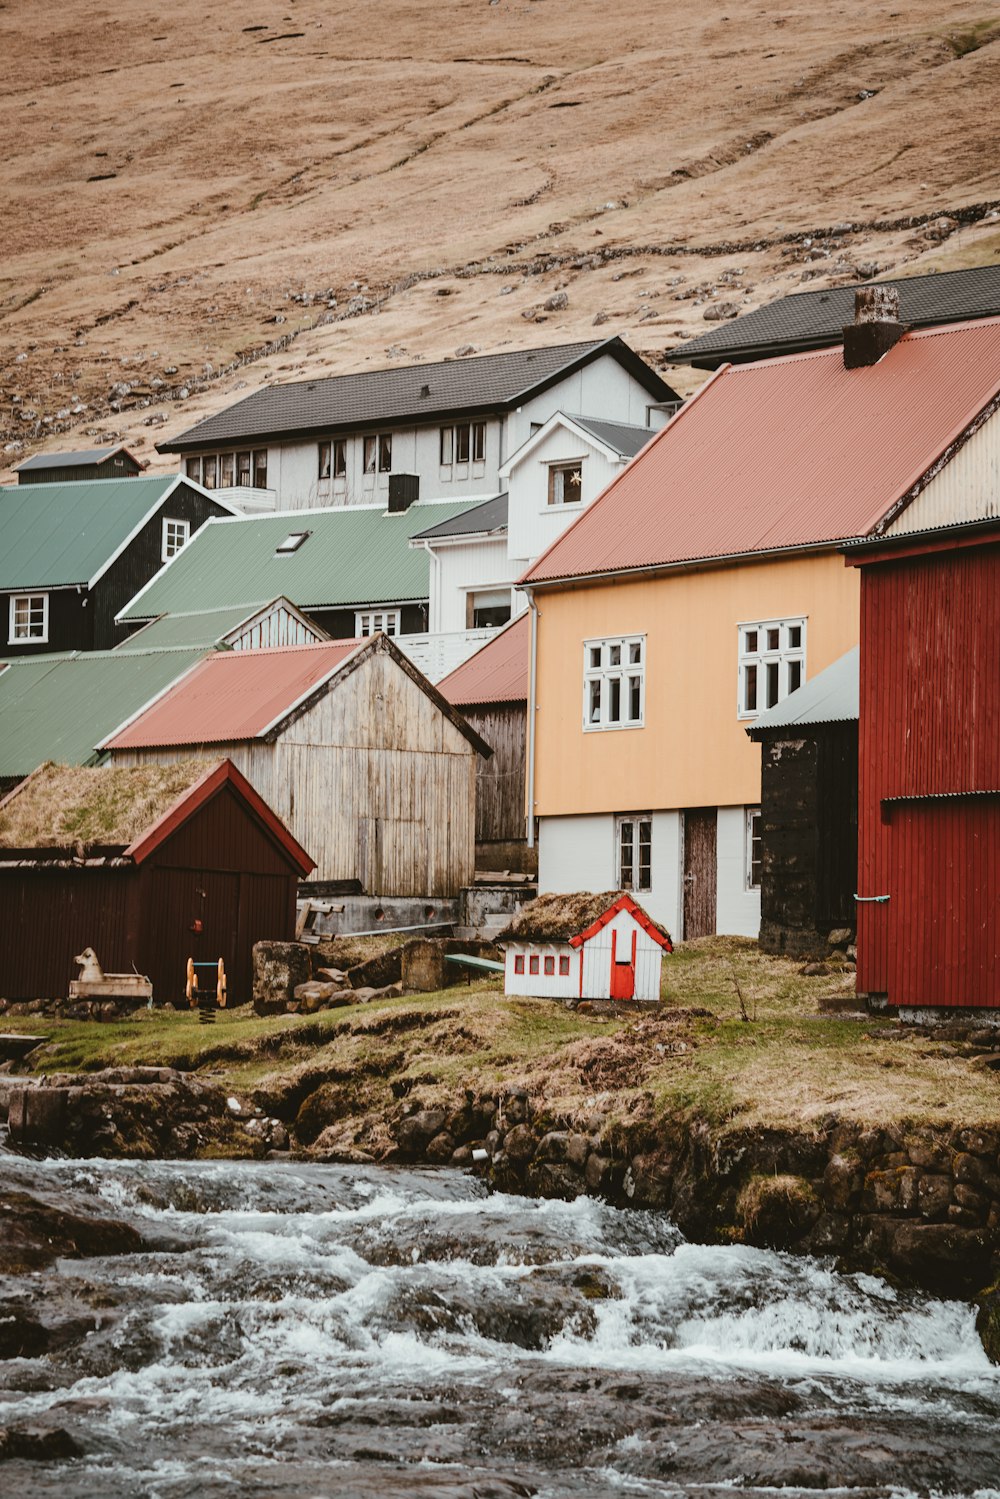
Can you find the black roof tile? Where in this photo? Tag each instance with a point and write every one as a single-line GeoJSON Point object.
{"type": "Point", "coordinates": [816, 319]}
{"type": "Point", "coordinates": [414, 393]}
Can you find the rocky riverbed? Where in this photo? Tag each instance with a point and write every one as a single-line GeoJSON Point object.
{"type": "Point", "coordinates": [359, 1331]}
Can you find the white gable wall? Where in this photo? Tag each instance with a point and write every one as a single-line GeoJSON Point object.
{"type": "Point", "coordinates": [601, 389]}
{"type": "Point", "coordinates": [460, 567]}
{"type": "Point", "coordinates": [967, 488]}
{"type": "Point", "coordinates": [533, 524]}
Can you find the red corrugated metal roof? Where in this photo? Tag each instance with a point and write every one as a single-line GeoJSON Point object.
{"type": "Point", "coordinates": [234, 695]}
{"type": "Point", "coordinates": [498, 673]}
{"type": "Point", "coordinates": [785, 453]}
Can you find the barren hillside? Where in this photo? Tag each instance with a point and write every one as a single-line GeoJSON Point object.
{"type": "Point", "coordinates": [201, 198]}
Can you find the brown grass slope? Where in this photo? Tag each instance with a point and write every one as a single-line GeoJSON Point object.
{"type": "Point", "coordinates": [190, 185]}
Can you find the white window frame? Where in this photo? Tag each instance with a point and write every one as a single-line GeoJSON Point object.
{"type": "Point", "coordinates": [448, 443]}
{"type": "Point", "coordinates": [167, 550]}
{"type": "Point", "coordinates": [559, 467]}
{"type": "Point", "coordinates": [633, 820]}
{"type": "Point", "coordinates": [606, 674]}
{"type": "Point", "coordinates": [27, 635]}
{"type": "Point", "coordinates": [752, 815]}
{"type": "Point", "coordinates": [371, 621]}
{"type": "Point", "coordinates": [784, 657]}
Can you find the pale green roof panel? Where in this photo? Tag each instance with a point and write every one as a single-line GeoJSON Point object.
{"type": "Point", "coordinates": [173, 630]}
{"type": "Point", "coordinates": [57, 535]}
{"type": "Point", "coordinates": [353, 555]}
{"type": "Point", "coordinates": [59, 707]}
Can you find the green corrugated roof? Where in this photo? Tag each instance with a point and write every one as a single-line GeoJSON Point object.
{"type": "Point", "coordinates": [55, 535]}
{"type": "Point", "coordinates": [204, 629]}
{"type": "Point", "coordinates": [58, 707]}
{"type": "Point", "coordinates": [354, 555]}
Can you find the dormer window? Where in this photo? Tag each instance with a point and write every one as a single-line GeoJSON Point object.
{"type": "Point", "coordinates": [291, 543]}
{"type": "Point", "coordinates": [566, 483]}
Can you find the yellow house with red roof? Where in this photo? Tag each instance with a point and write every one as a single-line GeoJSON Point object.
{"type": "Point", "coordinates": [706, 584]}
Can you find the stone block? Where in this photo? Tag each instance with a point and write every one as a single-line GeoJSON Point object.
{"type": "Point", "coordinates": [934, 1195]}
{"type": "Point", "coordinates": [37, 1116]}
{"type": "Point", "coordinates": [519, 1143]}
{"type": "Point", "coordinates": [278, 969]}
{"type": "Point", "coordinates": [422, 966]}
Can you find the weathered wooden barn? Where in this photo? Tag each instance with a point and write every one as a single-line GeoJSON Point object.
{"type": "Point", "coordinates": [808, 825]}
{"type": "Point", "coordinates": [372, 769]}
{"type": "Point", "coordinates": [584, 947]}
{"type": "Point", "coordinates": [148, 867]}
{"type": "Point", "coordinates": [87, 463]}
{"type": "Point", "coordinates": [929, 767]}
{"type": "Point", "coordinates": [491, 691]}
{"type": "Point", "coordinates": [74, 554]}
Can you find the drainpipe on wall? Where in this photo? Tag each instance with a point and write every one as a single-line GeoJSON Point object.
{"type": "Point", "coordinates": [532, 681]}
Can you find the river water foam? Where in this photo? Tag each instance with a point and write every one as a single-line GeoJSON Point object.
{"type": "Point", "coordinates": [297, 1330]}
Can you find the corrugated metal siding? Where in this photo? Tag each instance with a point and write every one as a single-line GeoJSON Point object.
{"type": "Point", "coordinates": [944, 916]}
{"type": "Point", "coordinates": [967, 488]}
{"type": "Point", "coordinates": [48, 916]}
{"type": "Point", "coordinates": [930, 725]}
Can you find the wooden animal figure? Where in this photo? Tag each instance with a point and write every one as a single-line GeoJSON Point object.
{"type": "Point", "coordinates": [91, 971]}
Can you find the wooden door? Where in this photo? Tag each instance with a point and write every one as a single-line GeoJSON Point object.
{"type": "Point", "coordinates": [700, 871]}
{"type": "Point", "coordinates": [193, 914]}
{"type": "Point", "coordinates": [622, 969]}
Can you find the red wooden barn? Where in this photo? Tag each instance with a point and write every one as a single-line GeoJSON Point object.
{"type": "Point", "coordinates": [929, 767]}
{"type": "Point", "coordinates": [148, 866]}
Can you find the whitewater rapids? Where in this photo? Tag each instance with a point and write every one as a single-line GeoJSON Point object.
{"type": "Point", "coordinates": [306, 1330]}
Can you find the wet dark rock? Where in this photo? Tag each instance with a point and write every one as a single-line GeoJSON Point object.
{"type": "Point", "coordinates": [37, 1444]}
{"type": "Point", "coordinates": [988, 1321]}
{"type": "Point", "coordinates": [946, 1258]}
{"type": "Point", "coordinates": [34, 1232]}
{"type": "Point", "coordinates": [417, 1130]}
{"type": "Point", "coordinates": [519, 1143]}
{"type": "Point", "coordinates": [441, 1148]}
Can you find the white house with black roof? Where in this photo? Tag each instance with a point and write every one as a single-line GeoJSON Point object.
{"type": "Point", "coordinates": [427, 431]}
{"type": "Point", "coordinates": [477, 557]}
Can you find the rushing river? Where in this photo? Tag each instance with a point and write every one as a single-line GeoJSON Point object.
{"type": "Point", "coordinates": [302, 1331]}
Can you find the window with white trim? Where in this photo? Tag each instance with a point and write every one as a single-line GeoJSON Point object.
{"type": "Point", "coordinates": [370, 621]}
{"type": "Point", "coordinates": [565, 483]}
{"type": "Point", "coordinates": [378, 453]}
{"type": "Point", "coordinates": [614, 682]}
{"type": "Point", "coordinates": [487, 609]}
{"type": "Point", "coordinates": [176, 535]}
{"type": "Point", "coordinates": [753, 848]}
{"type": "Point", "coordinates": [29, 617]}
{"type": "Point", "coordinates": [634, 851]}
{"type": "Point", "coordinates": [772, 663]}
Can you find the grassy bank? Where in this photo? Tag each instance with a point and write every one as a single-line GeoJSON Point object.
{"type": "Point", "coordinates": [745, 1041]}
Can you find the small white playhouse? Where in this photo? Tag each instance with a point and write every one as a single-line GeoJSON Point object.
{"type": "Point", "coordinates": [584, 947]}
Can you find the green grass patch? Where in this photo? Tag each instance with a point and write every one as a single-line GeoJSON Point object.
{"type": "Point", "coordinates": [785, 1065]}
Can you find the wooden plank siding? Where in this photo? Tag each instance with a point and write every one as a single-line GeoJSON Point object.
{"type": "Point", "coordinates": [47, 916]}
{"type": "Point", "coordinates": [500, 813]}
{"type": "Point", "coordinates": [372, 779]}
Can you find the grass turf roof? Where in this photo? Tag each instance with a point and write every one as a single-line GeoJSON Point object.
{"type": "Point", "coordinates": [557, 918]}
{"type": "Point", "coordinates": [108, 806]}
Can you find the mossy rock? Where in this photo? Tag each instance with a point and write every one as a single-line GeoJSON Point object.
{"type": "Point", "coordinates": [775, 1212]}
{"type": "Point", "coordinates": [988, 1321]}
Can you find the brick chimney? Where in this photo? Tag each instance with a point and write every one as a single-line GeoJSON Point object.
{"type": "Point", "coordinates": [876, 326]}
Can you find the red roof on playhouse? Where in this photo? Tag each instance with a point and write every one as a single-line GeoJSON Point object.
{"type": "Point", "coordinates": [584, 947]}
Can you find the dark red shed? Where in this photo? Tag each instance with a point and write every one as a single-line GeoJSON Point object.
{"type": "Point", "coordinates": [148, 866]}
{"type": "Point", "coordinates": [929, 767]}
